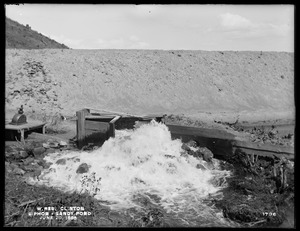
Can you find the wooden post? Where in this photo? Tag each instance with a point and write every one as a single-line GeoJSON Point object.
{"type": "Point", "coordinates": [81, 127]}
{"type": "Point", "coordinates": [111, 132]}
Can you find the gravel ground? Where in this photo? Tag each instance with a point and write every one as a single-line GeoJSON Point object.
{"type": "Point", "coordinates": [205, 84]}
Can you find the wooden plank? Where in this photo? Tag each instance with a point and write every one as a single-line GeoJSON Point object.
{"type": "Point", "coordinates": [112, 130]}
{"type": "Point", "coordinates": [115, 119]}
{"type": "Point", "coordinates": [271, 148]}
{"type": "Point", "coordinates": [97, 117]}
{"type": "Point", "coordinates": [264, 153]}
{"type": "Point", "coordinates": [112, 126]}
{"type": "Point", "coordinates": [203, 132]}
{"type": "Point", "coordinates": [96, 126]}
{"type": "Point", "coordinates": [28, 126]}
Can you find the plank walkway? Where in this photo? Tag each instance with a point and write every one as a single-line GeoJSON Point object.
{"type": "Point", "coordinates": [30, 125]}
{"type": "Point", "coordinates": [236, 141]}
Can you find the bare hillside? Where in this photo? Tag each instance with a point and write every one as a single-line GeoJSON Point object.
{"type": "Point", "coordinates": [150, 81]}
{"type": "Point", "coordinates": [23, 37]}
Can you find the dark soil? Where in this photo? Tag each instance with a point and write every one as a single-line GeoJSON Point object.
{"type": "Point", "coordinates": [256, 195]}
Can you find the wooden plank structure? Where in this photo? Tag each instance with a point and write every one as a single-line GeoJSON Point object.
{"type": "Point", "coordinates": [96, 128]}
{"type": "Point", "coordinates": [224, 142]}
{"type": "Point", "coordinates": [93, 127]}
{"type": "Point", "coordinates": [22, 128]}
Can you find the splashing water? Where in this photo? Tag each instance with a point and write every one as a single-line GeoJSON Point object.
{"type": "Point", "coordinates": [147, 163]}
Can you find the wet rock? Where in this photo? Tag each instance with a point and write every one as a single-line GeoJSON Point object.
{"type": "Point", "coordinates": [41, 162]}
{"type": "Point", "coordinates": [38, 171]}
{"type": "Point", "coordinates": [200, 166]}
{"type": "Point", "coordinates": [83, 168]}
{"type": "Point", "coordinates": [23, 154]}
{"type": "Point", "coordinates": [38, 151]}
{"type": "Point", "coordinates": [192, 143]}
{"type": "Point", "coordinates": [61, 162]}
{"type": "Point", "coordinates": [198, 154]}
{"type": "Point", "coordinates": [47, 165]}
{"type": "Point", "coordinates": [185, 147]}
{"type": "Point", "coordinates": [207, 154]}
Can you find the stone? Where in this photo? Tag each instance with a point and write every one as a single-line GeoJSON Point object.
{"type": "Point", "coordinates": [29, 160]}
{"type": "Point", "coordinates": [83, 168]}
{"type": "Point", "coordinates": [47, 165]}
{"type": "Point", "coordinates": [61, 161]}
{"type": "Point", "coordinates": [38, 151]}
{"type": "Point", "coordinates": [18, 171]}
{"type": "Point", "coordinates": [200, 166]}
{"type": "Point", "coordinates": [207, 154]}
{"type": "Point", "coordinates": [45, 145]}
{"type": "Point", "coordinates": [192, 143]}
{"type": "Point", "coordinates": [63, 143]}
{"type": "Point", "coordinates": [23, 154]}
{"type": "Point", "coordinates": [185, 147]}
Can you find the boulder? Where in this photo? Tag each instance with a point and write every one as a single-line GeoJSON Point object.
{"type": "Point", "coordinates": [192, 143]}
{"type": "Point", "coordinates": [63, 143]}
{"type": "Point", "coordinates": [47, 165]}
{"type": "Point", "coordinates": [185, 147]}
{"type": "Point", "coordinates": [83, 168]}
{"type": "Point", "coordinates": [61, 161]}
{"type": "Point", "coordinates": [200, 166]}
{"type": "Point", "coordinates": [206, 153]}
{"type": "Point", "coordinates": [38, 151]}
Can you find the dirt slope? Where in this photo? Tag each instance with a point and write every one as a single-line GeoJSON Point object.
{"type": "Point", "coordinates": [151, 81]}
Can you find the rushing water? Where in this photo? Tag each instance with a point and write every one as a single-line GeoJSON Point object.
{"type": "Point", "coordinates": [144, 163]}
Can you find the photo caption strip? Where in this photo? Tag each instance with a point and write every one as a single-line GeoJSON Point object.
{"type": "Point", "coordinates": [59, 213]}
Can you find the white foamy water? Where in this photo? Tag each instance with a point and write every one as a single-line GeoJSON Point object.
{"type": "Point", "coordinates": [144, 161]}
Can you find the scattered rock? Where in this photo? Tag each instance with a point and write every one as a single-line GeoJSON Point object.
{"type": "Point", "coordinates": [61, 162]}
{"type": "Point", "coordinates": [38, 151]}
{"type": "Point", "coordinates": [83, 168]}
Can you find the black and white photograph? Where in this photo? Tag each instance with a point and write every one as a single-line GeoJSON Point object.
{"type": "Point", "coordinates": [149, 115]}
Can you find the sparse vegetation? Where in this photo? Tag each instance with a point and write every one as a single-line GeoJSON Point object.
{"type": "Point", "coordinates": [23, 37]}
